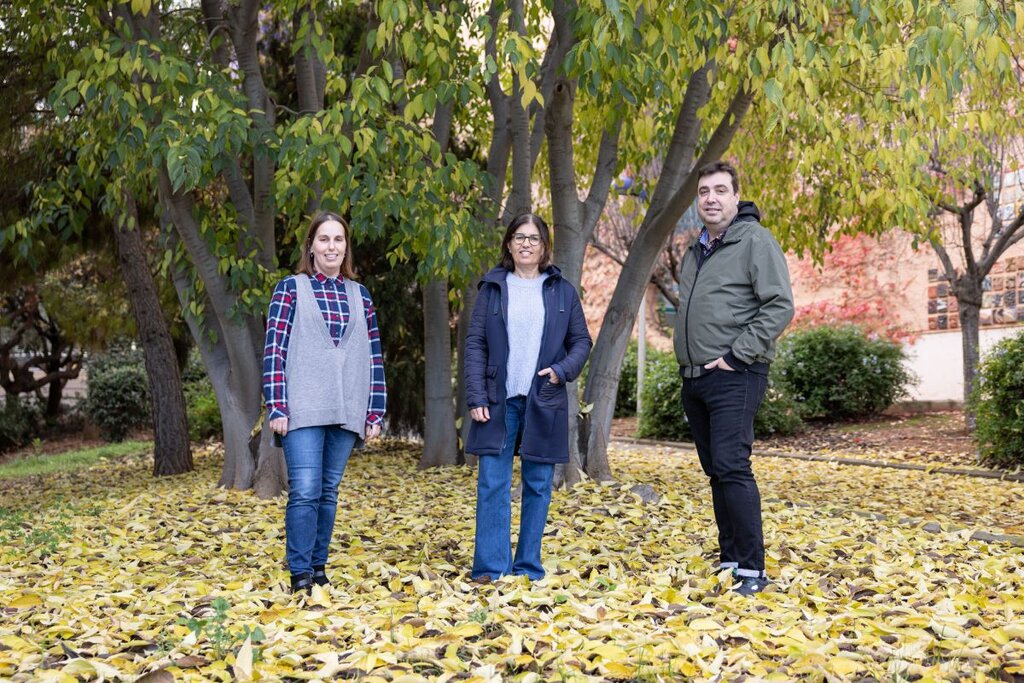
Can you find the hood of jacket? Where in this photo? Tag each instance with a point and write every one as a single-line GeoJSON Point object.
{"type": "Point", "coordinates": [745, 212]}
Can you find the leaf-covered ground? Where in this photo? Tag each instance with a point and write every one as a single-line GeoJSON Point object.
{"type": "Point", "coordinates": [111, 574]}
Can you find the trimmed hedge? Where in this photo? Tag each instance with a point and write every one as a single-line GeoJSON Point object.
{"type": "Point", "coordinates": [203, 410]}
{"type": "Point", "coordinates": [20, 421]}
{"type": "Point", "coordinates": [998, 405]}
{"type": "Point", "coordinates": [118, 401]}
{"type": "Point", "coordinates": [839, 372]}
{"type": "Point", "coordinates": [625, 399]}
{"type": "Point", "coordinates": [779, 413]}
{"type": "Point", "coordinates": [200, 401]}
{"type": "Point", "coordinates": [662, 416]}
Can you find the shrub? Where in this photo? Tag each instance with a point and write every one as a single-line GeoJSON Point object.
{"type": "Point", "coordinates": [20, 422]}
{"type": "Point", "coordinates": [997, 405]}
{"type": "Point", "coordinates": [838, 372]}
{"type": "Point", "coordinates": [194, 370]}
{"type": "Point", "coordinates": [625, 399]}
{"type": "Point", "coordinates": [662, 416]}
{"type": "Point", "coordinates": [118, 399]}
{"type": "Point", "coordinates": [779, 414]}
{"type": "Point", "coordinates": [203, 410]}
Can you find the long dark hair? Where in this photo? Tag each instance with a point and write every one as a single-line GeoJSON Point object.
{"type": "Point", "coordinates": [306, 259]}
{"type": "Point", "coordinates": [545, 239]}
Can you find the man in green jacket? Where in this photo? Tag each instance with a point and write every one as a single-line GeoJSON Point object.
{"type": "Point", "coordinates": [735, 300]}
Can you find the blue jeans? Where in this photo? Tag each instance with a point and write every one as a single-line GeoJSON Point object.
{"type": "Point", "coordinates": [493, 552]}
{"type": "Point", "coordinates": [316, 458]}
{"type": "Point", "coordinates": [720, 407]}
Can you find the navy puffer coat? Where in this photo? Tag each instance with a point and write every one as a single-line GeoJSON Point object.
{"type": "Point", "coordinates": [565, 346]}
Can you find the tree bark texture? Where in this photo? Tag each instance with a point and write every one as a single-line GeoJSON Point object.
{"type": "Point", "coordinates": [172, 453]}
{"type": "Point", "coordinates": [967, 283]}
{"type": "Point", "coordinates": [231, 355]}
{"type": "Point", "coordinates": [440, 440]}
{"type": "Point", "coordinates": [654, 231]}
{"type": "Point", "coordinates": [461, 330]}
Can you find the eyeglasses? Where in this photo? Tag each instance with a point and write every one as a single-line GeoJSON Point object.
{"type": "Point", "coordinates": [519, 238]}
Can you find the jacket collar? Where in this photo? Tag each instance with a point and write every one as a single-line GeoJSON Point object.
{"type": "Point", "coordinates": [499, 273]}
{"type": "Point", "coordinates": [748, 213]}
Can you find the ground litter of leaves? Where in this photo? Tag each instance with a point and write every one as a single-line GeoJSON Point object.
{"type": "Point", "coordinates": [112, 575]}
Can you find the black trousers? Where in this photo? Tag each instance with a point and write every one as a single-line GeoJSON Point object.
{"type": "Point", "coordinates": [720, 407]}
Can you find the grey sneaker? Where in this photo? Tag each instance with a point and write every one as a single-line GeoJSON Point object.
{"type": "Point", "coordinates": [751, 585]}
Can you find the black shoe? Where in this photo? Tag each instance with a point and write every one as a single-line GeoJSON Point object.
{"type": "Point", "coordinates": [302, 582]}
{"type": "Point", "coordinates": [751, 585]}
{"type": "Point", "coordinates": [320, 575]}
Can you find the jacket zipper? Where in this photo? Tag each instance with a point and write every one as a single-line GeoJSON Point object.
{"type": "Point", "coordinates": [686, 317]}
{"type": "Point", "coordinates": [689, 300]}
{"type": "Point", "coordinates": [504, 325]}
{"type": "Point", "coordinates": [543, 336]}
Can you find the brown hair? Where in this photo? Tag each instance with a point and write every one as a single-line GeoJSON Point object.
{"type": "Point", "coordinates": [720, 167]}
{"type": "Point", "coordinates": [306, 258]}
{"type": "Point", "coordinates": [545, 239]}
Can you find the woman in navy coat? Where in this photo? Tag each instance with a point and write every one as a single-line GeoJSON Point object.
{"type": "Point", "coordinates": [516, 393]}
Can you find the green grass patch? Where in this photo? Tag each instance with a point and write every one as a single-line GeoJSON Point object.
{"type": "Point", "coordinates": [71, 460]}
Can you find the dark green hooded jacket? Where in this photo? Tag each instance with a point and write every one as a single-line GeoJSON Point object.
{"type": "Point", "coordinates": [737, 302]}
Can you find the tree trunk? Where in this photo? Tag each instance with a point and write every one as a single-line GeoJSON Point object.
{"type": "Point", "coordinates": [440, 441]}
{"type": "Point", "coordinates": [656, 228]}
{"type": "Point", "coordinates": [271, 476]}
{"type": "Point", "coordinates": [172, 452]}
{"type": "Point", "coordinates": [240, 408]}
{"type": "Point", "coordinates": [576, 221]}
{"type": "Point", "coordinates": [54, 396]}
{"type": "Point", "coordinates": [970, 313]}
{"type": "Point", "coordinates": [231, 355]}
{"type": "Point", "coordinates": [461, 329]}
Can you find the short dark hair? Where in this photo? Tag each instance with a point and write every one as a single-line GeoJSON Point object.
{"type": "Point", "coordinates": [306, 258]}
{"type": "Point", "coordinates": [545, 239]}
{"type": "Point", "coordinates": [720, 167]}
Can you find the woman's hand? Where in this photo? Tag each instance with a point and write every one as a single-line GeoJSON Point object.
{"type": "Point", "coordinates": [552, 375]}
{"type": "Point", "coordinates": [481, 414]}
{"type": "Point", "coordinates": [372, 431]}
{"type": "Point", "coordinates": [279, 425]}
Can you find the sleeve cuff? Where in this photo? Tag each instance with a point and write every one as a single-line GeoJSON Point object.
{"type": "Point", "coordinates": [276, 412]}
{"type": "Point", "coordinates": [374, 418]}
{"type": "Point", "coordinates": [557, 369]}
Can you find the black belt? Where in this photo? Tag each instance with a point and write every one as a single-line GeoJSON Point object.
{"type": "Point", "coordinates": [695, 371]}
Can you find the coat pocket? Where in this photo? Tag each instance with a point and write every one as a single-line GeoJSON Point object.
{"type": "Point", "coordinates": [551, 395]}
{"type": "Point", "coordinates": [491, 382]}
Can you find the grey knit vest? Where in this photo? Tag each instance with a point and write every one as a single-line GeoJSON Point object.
{"type": "Point", "coordinates": [327, 384]}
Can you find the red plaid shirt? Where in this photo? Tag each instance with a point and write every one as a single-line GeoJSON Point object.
{"type": "Point", "coordinates": [330, 296]}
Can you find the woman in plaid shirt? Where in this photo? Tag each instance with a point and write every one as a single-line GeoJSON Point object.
{"type": "Point", "coordinates": [323, 384]}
